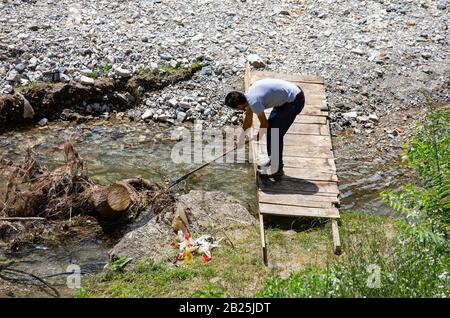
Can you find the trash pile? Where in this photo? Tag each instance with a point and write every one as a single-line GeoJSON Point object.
{"type": "Point", "coordinates": [187, 247]}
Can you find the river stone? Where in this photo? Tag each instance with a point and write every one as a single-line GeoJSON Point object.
{"type": "Point", "coordinates": [43, 122]}
{"type": "Point", "coordinates": [255, 61]}
{"type": "Point", "coordinates": [147, 114]}
{"type": "Point", "coordinates": [28, 111]}
{"type": "Point", "coordinates": [206, 212]}
{"type": "Point", "coordinates": [86, 80]}
{"type": "Point", "coordinates": [350, 115]}
{"type": "Point", "coordinates": [122, 72]}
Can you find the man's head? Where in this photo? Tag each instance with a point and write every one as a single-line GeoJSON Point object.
{"type": "Point", "coordinates": [236, 100]}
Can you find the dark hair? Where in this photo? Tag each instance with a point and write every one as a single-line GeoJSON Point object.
{"type": "Point", "coordinates": [234, 99]}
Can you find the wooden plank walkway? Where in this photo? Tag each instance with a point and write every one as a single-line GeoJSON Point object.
{"type": "Point", "coordinates": [309, 187]}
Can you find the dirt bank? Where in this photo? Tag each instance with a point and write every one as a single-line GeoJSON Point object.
{"type": "Point", "coordinates": [34, 102]}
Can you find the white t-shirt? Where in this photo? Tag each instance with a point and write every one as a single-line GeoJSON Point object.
{"type": "Point", "coordinates": [269, 92]}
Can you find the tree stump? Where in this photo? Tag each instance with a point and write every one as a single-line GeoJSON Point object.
{"type": "Point", "coordinates": [113, 201]}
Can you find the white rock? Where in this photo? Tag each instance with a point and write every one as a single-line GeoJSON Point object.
{"type": "Point", "coordinates": [147, 114]}
{"type": "Point", "coordinates": [357, 51]}
{"type": "Point", "coordinates": [8, 89]}
{"type": "Point", "coordinates": [374, 56]}
{"type": "Point", "coordinates": [28, 111]}
{"type": "Point", "coordinates": [86, 80]}
{"type": "Point", "coordinates": [374, 118]}
{"type": "Point", "coordinates": [172, 102]}
{"type": "Point", "coordinates": [255, 61]}
{"type": "Point", "coordinates": [64, 78]}
{"type": "Point", "coordinates": [362, 119]}
{"type": "Point", "coordinates": [43, 122]}
{"type": "Point", "coordinates": [181, 116]}
{"type": "Point", "coordinates": [197, 37]}
{"type": "Point", "coordinates": [13, 76]}
{"type": "Point", "coordinates": [350, 115]}
{"type": "Point", "coordinates": [184, 104]}
{"type": "Point", "coordinates": [122, 72]}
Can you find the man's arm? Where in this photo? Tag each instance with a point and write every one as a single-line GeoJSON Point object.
{"type": "Point", "coordinates": [248, 121]}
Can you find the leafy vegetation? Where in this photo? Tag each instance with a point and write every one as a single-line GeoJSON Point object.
{"type": "Point", "coordinates": [106, 68]}
{"type": "Point", "coordinates": [168, 69]}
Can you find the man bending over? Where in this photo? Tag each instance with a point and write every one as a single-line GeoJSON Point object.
{"type": "Point", "coordinates": [287, 101]}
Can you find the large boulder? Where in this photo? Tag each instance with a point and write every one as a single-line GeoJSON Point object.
{"type": "Point", "coordinates": [211, 213]}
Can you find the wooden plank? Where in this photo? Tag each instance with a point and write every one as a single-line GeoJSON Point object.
{"type": "Point", "coordinates": [316, 201]}
{"type": "Point", "coordinates": [289, 210]}
{"type": "Point", "coordinates": [247, 76]}
{"type": "Point", "coordinates": [290, 185]}
{"type": "Point", "coordinates": [315, 101]}
{"type": "Point", "coordinates": [310, 140]}
{"type": "Point", "coordinates": [308, 119]}
{"type": "Point", "coordinates": [310, 111]}
{"type": "Point", "coordinates": [257, 75]}
{"type": "Point", "coordinates": [323, 164]}
{"type": "Point", "coordinates": [311, 174]}
{"type": "Point", "coordinates": [307, 151]}
{"type": "Point", "coordinates": [263, 238]}
{"type": "Point", "coordinates": [309, 129]}
{"type": "Point", "coordinates": [311, 88]}
{"type": "Point", "coordinates": [303, 151]}
{"type": "Point", "coordinates": [336, 239]}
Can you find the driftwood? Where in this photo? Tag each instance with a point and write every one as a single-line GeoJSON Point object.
{"type": "Point", "coordinates": [21, 218]}
{"type": "Point", "coordinates": [34, 191]}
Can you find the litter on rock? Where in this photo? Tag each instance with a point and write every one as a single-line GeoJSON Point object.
{"type": "Point", "coordinates": [203, 246]}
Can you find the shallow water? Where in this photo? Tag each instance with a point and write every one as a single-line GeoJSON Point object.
{"type": "Point", "coordinates": [360, 182]}
{"type": "Point", "coordinates": [115, 151]}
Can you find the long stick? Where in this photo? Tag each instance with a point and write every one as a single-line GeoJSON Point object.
{"type": "Point", "coordinates": [197, 169]}
{"type": "Point", "coordinates": [20, 218]}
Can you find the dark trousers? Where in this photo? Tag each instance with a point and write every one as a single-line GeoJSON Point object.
{"type": "Point", "coordinates": [280, 119]}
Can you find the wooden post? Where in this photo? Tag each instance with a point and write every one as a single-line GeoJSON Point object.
{"type": "Point", "coordinates": [336, 239]}
{"type": "Point", "coordinates": [263, 239]}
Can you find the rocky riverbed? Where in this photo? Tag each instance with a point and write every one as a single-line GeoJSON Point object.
{"type": "Point", "coordinates": [377, 56]}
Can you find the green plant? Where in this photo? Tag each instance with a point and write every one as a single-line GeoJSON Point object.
{"type": "Point", "coordinates": [93, 74]}
{"type": "Point", "coordinates": [425, 206]}
{"type": "Point", "coordinates": [119, 264]}
{"type": "Point", "coordinates": [211, 291]}
{"type": "Point", "coordinates": [106, 68]}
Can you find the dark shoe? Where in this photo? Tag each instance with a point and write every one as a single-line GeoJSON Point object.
{"type": "Point", "coordinates": [269, 173]}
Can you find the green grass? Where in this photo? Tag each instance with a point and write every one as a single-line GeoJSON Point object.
{"type": "Point", "coordinates": [375, 264]}
{"type": "Point", "coordinates": [168, 69]}
{"type": "Point", "coordinates": [93, 74]}
{"type": "Point", "coordinates": [239, 271]}
{"type": "Point", "coordinates": [106, 68]}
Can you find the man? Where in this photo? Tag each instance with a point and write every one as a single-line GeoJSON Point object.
{"type": "Point", "coordinates": [287, 101]}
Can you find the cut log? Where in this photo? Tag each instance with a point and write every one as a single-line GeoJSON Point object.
{"type": "Point", "coordinates": [112, 201]}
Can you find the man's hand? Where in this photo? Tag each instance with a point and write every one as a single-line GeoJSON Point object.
{"type": "Point", "coordinates": [241, 140]}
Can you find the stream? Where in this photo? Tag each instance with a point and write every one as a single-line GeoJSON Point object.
{"type": "Point", "coordinates": [118, 150]}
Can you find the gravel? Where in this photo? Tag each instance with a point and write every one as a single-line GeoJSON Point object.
{"type": "Point", "coordinates": [377, 56]}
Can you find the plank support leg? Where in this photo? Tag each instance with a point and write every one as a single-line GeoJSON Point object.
{"type": "Point", "coordinates": [336, 239]}
{"type": "Point", "coordinates": [263, 239]}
